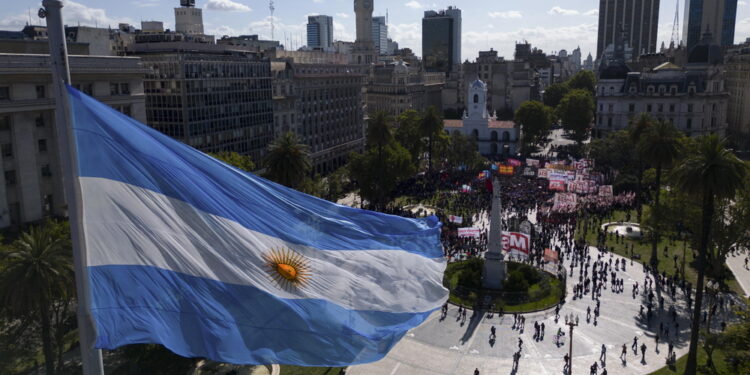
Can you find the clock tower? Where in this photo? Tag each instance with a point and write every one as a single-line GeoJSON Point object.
{"type": "Point", "coordinates": [364, 48]}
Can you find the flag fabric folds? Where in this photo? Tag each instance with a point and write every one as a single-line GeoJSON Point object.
{"type": "Point", "coordinates": [210, 261]}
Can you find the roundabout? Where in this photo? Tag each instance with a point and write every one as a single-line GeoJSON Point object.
{"type": "Point", "coordinates": [527, 288]}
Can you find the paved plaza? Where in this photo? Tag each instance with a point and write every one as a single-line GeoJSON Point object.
{"type": "Point", "coordinates": [448, 346]}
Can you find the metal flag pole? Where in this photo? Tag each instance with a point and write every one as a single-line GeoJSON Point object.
{"type": "Point", "coordinates": [91, 357]}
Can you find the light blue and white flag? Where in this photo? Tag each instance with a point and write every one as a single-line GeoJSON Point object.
{"type": "Point", "coordinates": [210, 261]}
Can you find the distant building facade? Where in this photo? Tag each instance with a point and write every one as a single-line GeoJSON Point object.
{"type": "Point", "coordinates": [363, 50]}
{"type": "Point", "coordinates": [737, 67]}
{"type": "Point", "coordinates": [441, 40]}
{"type": "Point", "coordinates": [395, 88]}
{"type": "Point", "coordinates": [494, 138]}
{"type": "Point", "coordinates": [321, 102]}
{"type": "Point", "coordinates": [31, 184]}
{"type": "Point", "coordinates": [715, 16]}
{"type": "Point", "coordinates": [639, 19]}
{"type": "Point", "coordinates": [380, 35]}
{"type": "Point", "coordinates": [320, 32]}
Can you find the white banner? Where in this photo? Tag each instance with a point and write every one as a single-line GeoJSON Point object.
{"type": "Point", "coordinates": [468, 232]}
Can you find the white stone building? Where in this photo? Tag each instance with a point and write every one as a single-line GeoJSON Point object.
{"type": "Point", "coordinates": [31, 184]}
{"type": "Point", "coordinates": [494, 137]}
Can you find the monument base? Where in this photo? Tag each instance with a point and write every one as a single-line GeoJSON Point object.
{"type": "Point", "coordinates": [494, 271]}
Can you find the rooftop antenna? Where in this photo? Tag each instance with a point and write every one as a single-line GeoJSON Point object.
{"type": "Point", "coordinates": [271, 8]}
{"type": "Point", "coordinates": [676, 27]}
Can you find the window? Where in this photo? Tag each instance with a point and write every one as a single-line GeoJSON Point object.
{"type": "Point", "coordinates": [4, 93]}
{"type": "Point", "coordinates": [648, 108]}
{"type": "Point", "coordinates": [46, 171]}
{"type": "Point", "coordinates": [476, 98]}
{"type": "Point", "coordinates": [40, 94]}
{"type": "Point", "coordinates": [690, 108]}
{"type": "Point", "coordinates": [4, 122]}
{"type": "Point", "coordinates": [609, 122]}
{"type": "Point", "coordinates": [631, 108]}
{"type": "Point", "coordinates": [114, 89]}
{"type": "Point", "coordinates": [661, 107]}
{"type": "Point", "coordinates": [124, 89]}
{"type": "Point", "coordinates": [42, 144]}
{"type": "Point", "coordinates": [7, 150]}
{"type": "Point", "coordinates": [689, 124]}
{"type": "Point", "coordinates": [671, 108]}
{"type": "Point", "coordinates": [40, 120]}
{"type": "Point", "coordinates": [10, 177]}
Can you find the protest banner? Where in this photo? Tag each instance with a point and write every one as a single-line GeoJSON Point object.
{"type": "Point", "coordinates": [456, 219]}
{"type": "Point", "coordinates": [564, 202]}
{"type": "Point", "coordinates": [557, 185]}
{"type": "Point", "coordinates": [543, 173]}
{"type": "Point", "coordinates": [529, 172]}
{"type": "Point", "coordinates": [514, 162]}
{"type": "Point", "coordinates": [532, 162]}
{"type": "Point", "coordinates": [550, 256]}
{"type": "Point", "coordinates": [468, 232]}
{"type": "Point", "coordinates": [517, 244]}
{"type": "Point", "coordinates": [506, 170]}
{"type": "Point", "coordinates": [606, 191]}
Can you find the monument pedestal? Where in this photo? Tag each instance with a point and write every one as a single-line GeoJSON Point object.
{"type": "Point", "coordinates": [494, 271]}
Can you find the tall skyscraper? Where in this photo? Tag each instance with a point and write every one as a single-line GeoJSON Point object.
{"type": "Point", "coordinates": [441, 39]}
{"type": "Point", "coordinates": [320, 31]}
{"type": "Point", "coordinates": [638, 18]}
{"type": "Point", "coordinates": [380, 34]}
{"type": "Point", "coordinates": [363, 51]}
{"type": "Point", "coordinates": [715, 16]}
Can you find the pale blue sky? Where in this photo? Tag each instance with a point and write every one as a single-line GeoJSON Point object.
{"type": "Point", "coordinates": [548, 24]}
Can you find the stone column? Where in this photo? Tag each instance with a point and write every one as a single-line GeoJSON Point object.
{"type": "Point", "coordinates": [494, 261]}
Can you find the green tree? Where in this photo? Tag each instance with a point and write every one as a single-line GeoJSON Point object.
{"type": "Point", "coordinates": [234, 159]}
{"type": "Point", "coordinates": [735, 343]}
{"type": "Point", "coordinates": [431, 127]}
{"type": "Point", "coordinates": [409, 135]}
{"type": "Point", "coordinates": [287, 161]}
{"type": "Point", "coordinates": [638, 126]}
{"type": "Point", "coordinates": [583, 80]}
{"type": "Point", "coordinates": [379, 170]}
{"type": "Point", "coordinates": [536, 121]}
{"type": "Point", "coordinates": [660, 147]}
{"type": "Point", "coordinates": [554, 93]}
{"type": "Point", "coordinates": [613, 152]}
{"type": "Point", "coordinates": [576, 111]}
{"type": "Point", "coordinates": [710, 173]}
{"type": "Point", "coordinates": [37, 277]}
{"type": "Point", "coordinates": [463, 151]}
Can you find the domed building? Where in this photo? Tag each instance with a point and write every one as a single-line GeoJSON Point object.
{"type": "Point", "coordinates": [494, 137]}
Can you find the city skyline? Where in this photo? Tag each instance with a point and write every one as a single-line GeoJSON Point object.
{"type": "Point", "coordinates": [486, 24]}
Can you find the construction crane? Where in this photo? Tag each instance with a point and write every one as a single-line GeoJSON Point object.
{"type": "Point", "coordinates": [271, 8]}
{"type": "Point", "coordinates": [675, 42]}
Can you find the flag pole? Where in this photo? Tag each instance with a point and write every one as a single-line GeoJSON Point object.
{"type": "Point", "coordinates": [52, 11]}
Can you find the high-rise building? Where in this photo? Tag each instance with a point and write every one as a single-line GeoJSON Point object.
{"type": "Point", "coordinates": [318, 97]}
{"type": "Point", "coordinates": [737, 66]}
{"type": "Point", "coordinates": [363, 51]}
{"type": "Point", "coordinates": [709, 16]}
{"type": "Point", "coordinates": [320, 31]}
{"type": "Point", "coordinates": [638, 18]}
{"type": "Point", "coordinates": [380, 34]}
{"type": "Point", "coordinates": [441, 40]}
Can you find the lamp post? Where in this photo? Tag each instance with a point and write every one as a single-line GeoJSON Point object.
{"type": "Point", "coordinates": [571, 322]}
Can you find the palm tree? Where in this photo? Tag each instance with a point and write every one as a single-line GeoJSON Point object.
{"type": "Point", "coordinates": [713, 172]}
{"type": "Point", "coordinates": [637, 127]}
{"type": "Point", "coordinates": [431, 125]}
{"type": "Point", "coordinates": [287, 161]}
{"type": "Point", "coordinates": [39, 271]}
{"type": "Point", "coordinates": [379, 132]}
{"type": "Point", "coordinates": [660, 147]}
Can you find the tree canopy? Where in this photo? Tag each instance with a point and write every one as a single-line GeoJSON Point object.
{"type": "Point", "coordinates": [536, 121]}
{"type": "Point", "coordinates": [554, 93]}
{"type": "Point", "coordinates": [576, 111]}
{"type": "Point", "coordinates": [234, 159]}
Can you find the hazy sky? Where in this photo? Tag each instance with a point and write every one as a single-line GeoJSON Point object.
{"type": "Point", "coordinates": [548, 24]}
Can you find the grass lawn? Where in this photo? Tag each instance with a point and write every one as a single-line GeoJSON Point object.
{"type": "Point", "coordinates": [720, 367]}
{"type": "Point", "coordinates": [642, 248]}
{"type": "Point", "coordinates": [453, 273]}
{"type": "Point", "coordinates": [301, 370]}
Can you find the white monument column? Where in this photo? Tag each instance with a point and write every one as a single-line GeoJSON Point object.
{"type": "Point", "coordinates": [494, 261]}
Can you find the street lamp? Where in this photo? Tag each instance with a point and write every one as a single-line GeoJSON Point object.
{"type": "Point", "coordinates": [571, 322]}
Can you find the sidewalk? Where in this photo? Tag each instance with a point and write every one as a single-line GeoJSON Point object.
{"type": "Point", "coordinates": [737, 265]}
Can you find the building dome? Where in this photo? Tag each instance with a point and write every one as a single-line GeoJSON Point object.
{"type": "Point", "coordinates": [400, 67]}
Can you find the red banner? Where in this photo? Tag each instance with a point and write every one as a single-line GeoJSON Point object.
{"type": "Point", "coordinates": [518, 244]}
{"type": "Point", "coordinates": [557, 185]}
{"type": "Point", "coordinates": [505, 170]}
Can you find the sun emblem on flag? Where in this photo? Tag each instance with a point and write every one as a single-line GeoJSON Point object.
{"type": "Point", "coordinates": [288, 268]}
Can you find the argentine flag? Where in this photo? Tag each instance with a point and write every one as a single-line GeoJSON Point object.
{"type": "Point", "coordinates": [210, 261]}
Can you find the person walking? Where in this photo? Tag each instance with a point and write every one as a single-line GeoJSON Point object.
{"type": "Point", "coordinates": [624, 352]}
